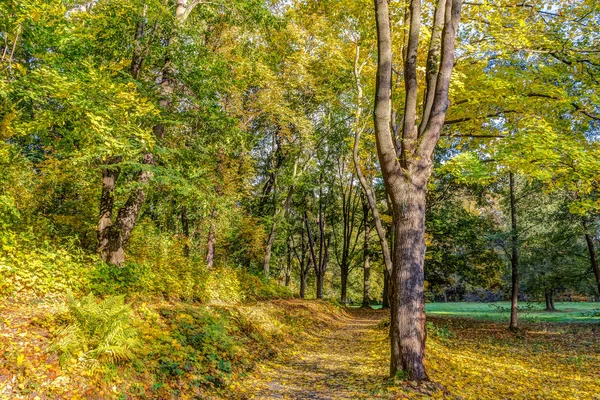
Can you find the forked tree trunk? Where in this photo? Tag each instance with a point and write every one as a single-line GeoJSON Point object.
{"type": "Point", "coordinates": [114, 237]}
{"type": "Point", "coordinates": [514, 259]}
{"type": "Point", "coordinates": [406, 165]}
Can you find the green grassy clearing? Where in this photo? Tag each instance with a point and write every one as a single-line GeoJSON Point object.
{"type": "Point", "coordinates": [567, 312]}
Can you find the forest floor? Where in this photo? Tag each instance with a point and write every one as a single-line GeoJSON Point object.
{"type": "Point", "coordinates": [321, 352]}
{"type": "Point", "coordinates": [467, 358]}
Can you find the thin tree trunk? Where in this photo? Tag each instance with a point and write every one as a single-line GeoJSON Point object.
{"type": "Point", "coordinates": [385, 301]}
{"type": "Point", "coordinates": [268, 247]}
{"type": "Point", "coordinates": [185, 227]}
{"type": "Point", "coordinates": [210, 246]}
{"type": "Point", "coordinates": [288, 266]}
{"type": "Point", "coordinates": [366, 302]}
{"type": "Point", "coordinates": [549, 294]}
{"type": "Point", "coordinates": [367, 190]}
{"type": "Point", "coordinates": [593, 256]}
{"type": "Point", "coordinates": [514, 260]}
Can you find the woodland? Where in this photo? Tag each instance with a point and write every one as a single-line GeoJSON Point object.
{"type": "Point", "coordinates": [299, 199]}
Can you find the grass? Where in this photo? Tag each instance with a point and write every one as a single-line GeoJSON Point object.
{"type": "Point", "coordinates": [567, 312]}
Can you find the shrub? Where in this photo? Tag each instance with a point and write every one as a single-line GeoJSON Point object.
{"type": "Point", "coordinates": [101, 331]}
{"type": "Point", "coordinates": [34, 265]}
{"type": "Point", "coordinates": [107, 279]}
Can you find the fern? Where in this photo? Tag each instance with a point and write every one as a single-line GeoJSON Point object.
{"type": "Point", "coordinates": [101, 331]}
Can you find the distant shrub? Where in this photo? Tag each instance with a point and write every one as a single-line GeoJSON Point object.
{"type": "Point", "coordinates": [483, 295]}
{"type": "Point", "coordinates": [101, 330]}
{"type": "Point", "coordinates": [256, 288]}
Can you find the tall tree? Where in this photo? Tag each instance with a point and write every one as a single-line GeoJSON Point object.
{"type": "Point", "coordinates": [407, 166]}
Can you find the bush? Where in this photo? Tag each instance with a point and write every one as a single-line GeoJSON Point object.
{"type": "Point", "coordinates": [107, 279]}
{"type": "Point", "coordinates": [34, 265]}
{"type": "Point", "coordinates": [101, 331]}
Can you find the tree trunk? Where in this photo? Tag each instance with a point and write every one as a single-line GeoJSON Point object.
{"type": "Point", "coordinates": [107, 199]}
{"type": "Point", "coordinates": [303, 277]}
{"type": "Point", "coordinates": [366, 302]}
{"type": "Point", "coordinates": [514, 260]}
{"type": "Point", "coordinates": [367, 190]}
{"type": "Point", "coordinates": [408, 303]}
{"type": "Point", "coordinates": [406, 165]}
{"type": "Point", "coordinates": [115, 237]}
{"type": "Point", "coordinates": [549, 295]}
{"type": "Point", "coordinates": [593, 256]}
{"type": "Point", "coordinates": [268, 247]}
{"type": "Point", "coordinates": [319, 286]}
{"type": "Point", "coordinates": [210, 246]}
{"type": "Point", "coordinates": [288, 265]}
{"type": "Point", "coordinates": [344, 288]}
{"type": "Point", "coordinates": [385, 301]}
{"type": "Point", "coordinates": [185, 227]}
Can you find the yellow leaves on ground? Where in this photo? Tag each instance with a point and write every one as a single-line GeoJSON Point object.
{"type": "Point", "coordinates": [348, 359]}
{"type": "Point", "coordinates": [325, 353]}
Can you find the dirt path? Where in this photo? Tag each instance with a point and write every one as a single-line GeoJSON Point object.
{"type": "Point", "coordinates": [335, 362]}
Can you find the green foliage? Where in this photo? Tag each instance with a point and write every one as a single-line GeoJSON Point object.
{"type": "Point", "coordinates": [105, 279]}
{"type": "Point", "coordinates": [101, 331]}
{"type": "Point", "coordinates": [35, 265]}
{"type": "Point", "coordinates": [199, 344]}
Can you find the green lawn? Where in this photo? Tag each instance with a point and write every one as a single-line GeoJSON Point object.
{"type": "Point", "coordinates": [567, 312]}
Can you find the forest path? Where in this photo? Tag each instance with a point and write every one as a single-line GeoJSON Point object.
{"type": "Point", "coordinates": [338, 360]}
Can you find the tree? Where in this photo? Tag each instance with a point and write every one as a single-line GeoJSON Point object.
{"type": "Point", "coordinates": [407, 166]}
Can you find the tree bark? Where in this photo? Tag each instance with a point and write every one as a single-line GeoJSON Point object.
{"type": "Point", "coordinates": [593, 256]}
{"type": "Point", "coordinates": [115, 237]}
{"type": "Point", "coordinates": [514, 260]}
{"type": "Point", "coordinates": [288, 265]}
{"type": "Point", "coordinates": [408, 304]}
